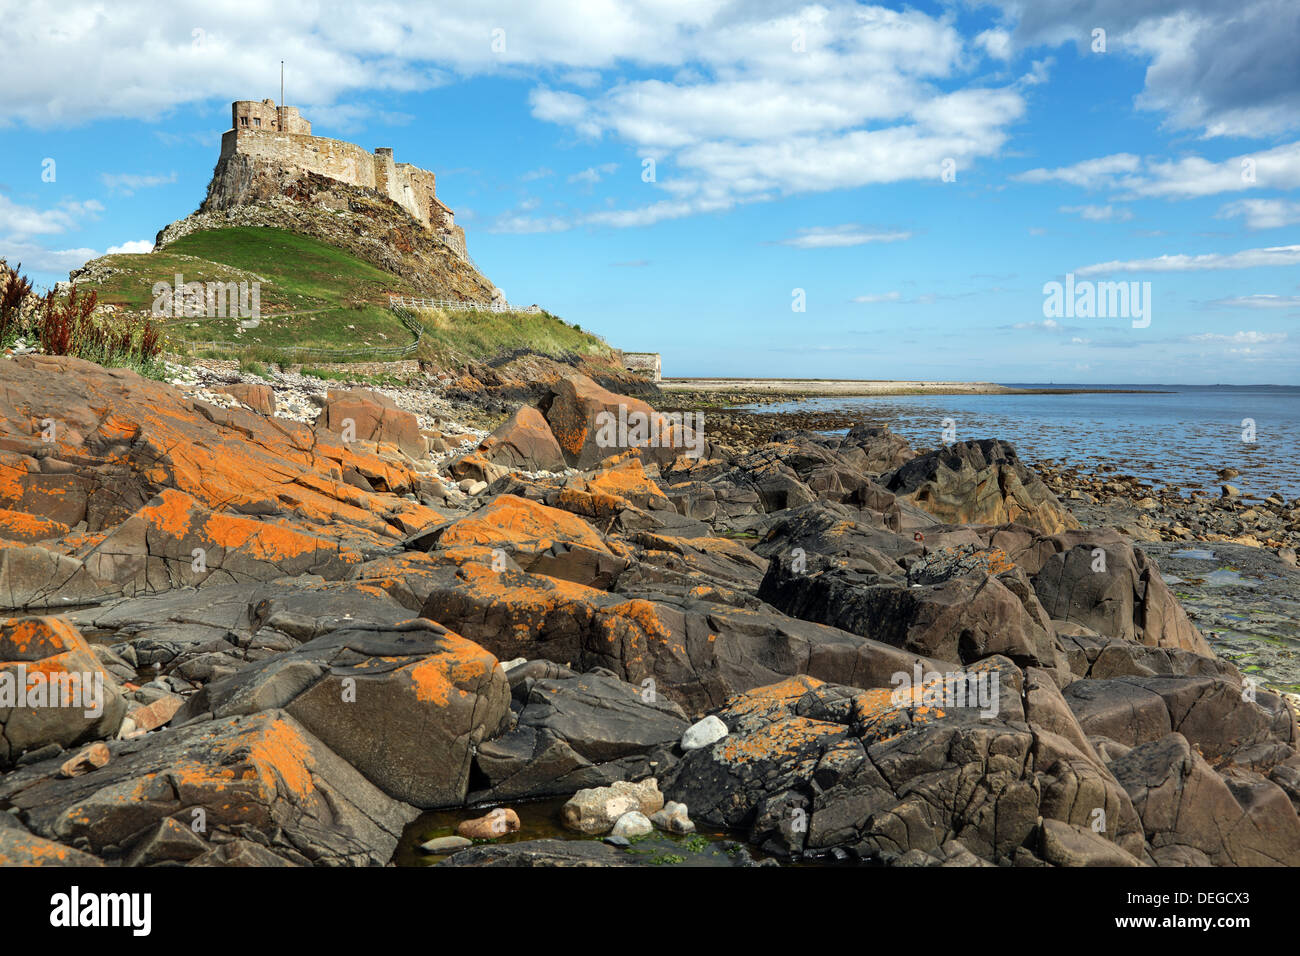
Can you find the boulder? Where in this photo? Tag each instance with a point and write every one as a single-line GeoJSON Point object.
{"type": "Point", "coordinates": [585, 419]}
{"type": "Point", "coordinates": [53, 689]}
{"type": "Point", "coordinates": [260, 398]}
{"type": "Point", "coordinates": [631, 825]}
{"type": "Point", "coordinates": [573, 732]}
{"type": "Point", "coordinates": [596, 810]}
{"type": "Point", "coordinates": [262, 774]}
{"type": "Point", "coordinates": [20, 848]}
{"type": "Point", "coordinates": [490, 826]}
{"type": "Point", "coordinates": [704, 732]}
{"type": "Point", "coordinates": [889, 776]}
{"type": "Point", "coordinates": [1189, 811]}
{"type": "Point", "coordinates": [980, 482]}
{"type": "Point", "coordinates": [372, 417]}
{"type": "Point", "coordinates": [524, 441]}
{"type": "Point", "coordinates": [406, 704]}
{"type": "Point", "coordinates": [535, 537]}
{"type": "Point", "coordinates": [696, 653]}
{"type": "Point", "coordinates": [1100, 581]}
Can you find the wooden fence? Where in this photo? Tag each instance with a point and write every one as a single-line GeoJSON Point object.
{"type": "Point", "coordinates": [454, 305]}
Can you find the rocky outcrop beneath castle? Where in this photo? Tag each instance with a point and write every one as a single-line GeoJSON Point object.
{"type": "Point", "coordinates": [300, 639]}
{"type": "Point", "coordinates": [361, 221]}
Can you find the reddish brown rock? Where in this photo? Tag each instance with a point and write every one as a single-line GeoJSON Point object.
{"type": "Point", "coordinates": [536, 538]}
{"type": "Point", "coordinates": [524, 441]}
{"type": "Point", "coordinates": [490, 826]}
{"type": "Point", "coordinates": [260, 398]}
{"type": "Point", "coordinates": [68, 697]}
{"type": "Point", "coordinates": [577, 410]}
{"type": "Point", "coordinates": [85, 760]}
{"type": "Point", "coordinates": [372, 417]}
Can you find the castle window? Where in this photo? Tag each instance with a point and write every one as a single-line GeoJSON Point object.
{"type": "Point", "coordinates": [243, 121]}
{"type": "Point", "coordinates": [257, 122]}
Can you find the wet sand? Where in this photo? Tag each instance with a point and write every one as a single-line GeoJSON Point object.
{"type": "Point", "coordinates": [819, 387]}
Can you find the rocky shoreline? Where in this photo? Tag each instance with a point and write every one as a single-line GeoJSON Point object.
{"type": "Point", "coordinates": [318, 614]}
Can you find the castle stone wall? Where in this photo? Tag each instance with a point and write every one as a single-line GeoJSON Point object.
{"type": "Point", "coordinates": [255, 135]}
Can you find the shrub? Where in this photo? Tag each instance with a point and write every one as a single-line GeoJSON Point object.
{"type": "Point", "coordinates": [14, 292]}
{"type": "Point", "coordinates": [68, 326]}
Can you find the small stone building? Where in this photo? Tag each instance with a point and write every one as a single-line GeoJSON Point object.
{"type": "Point", "coordinates": [644, 363]}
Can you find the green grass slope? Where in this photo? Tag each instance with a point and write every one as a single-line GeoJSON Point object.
{"type": "Point", "coordinates": [315, 296]}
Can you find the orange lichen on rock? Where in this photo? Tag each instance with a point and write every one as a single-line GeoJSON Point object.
{"type": "Point", "coordinates": [781, 738]}
{"type": "Point", "coordinates": [34, 638]}
{"type": "Point", "coordinates": [514, 523]}
{"type": "Point", "coordinates": [626, 480]}
{"type": "Point", "coordinates": [21, 526]}
{"type": "Point", "coordinates": [459, 666]}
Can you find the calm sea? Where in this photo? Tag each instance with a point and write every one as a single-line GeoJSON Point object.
{"type": "Point", "coordinates": [1176, 434]}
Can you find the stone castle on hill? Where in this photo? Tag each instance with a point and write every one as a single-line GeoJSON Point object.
{"type": "Point", "coordinates": [264, 137]}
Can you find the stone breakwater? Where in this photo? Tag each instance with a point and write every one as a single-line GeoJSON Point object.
{"type": "Point", "coordinates": [317, 612]}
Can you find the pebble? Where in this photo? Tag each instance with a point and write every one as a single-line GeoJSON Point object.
{"type": "Point", "coordinates": [703, 733]}
{"type": "Point", "coordinates": [446, 844]}
{"type": "Point", "coordinates": [634, 823]}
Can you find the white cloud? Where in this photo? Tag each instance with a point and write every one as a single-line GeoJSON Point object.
{"type": "Point", "coordinates": [1246, 259]}
{"type": "Point", "coordinates": [19, 222]}
{"type": "Point", "coordinates": [1227, 69]}
{"type": "Point", "coordinates": [36, 259]}
{"type": "Point", "coordinates": [835, 237]}
{"type": "Point", "coordinates": [1186, 178]}
{"type": "Point", "coordinates": [881, 297]}
{"type": "Point", "coordinates": [1263, 213]}
{"type": "Point", "coordinates": [128, 183]}
{"type": "Point", "coordinates": [134, 246]}
{"type": "Point", "coordinates": [594, 174]}
{"type": "Point", "coordinates": [1090, 173]}
{"type": "Point", "coordinates": [1100, 213]}
{"type": "Point", "coordinates": [996, 43]}
{"type": "Point", "coordinates": [1261, 300]}
{"type": "Point", "coordinates": [1242, 338]}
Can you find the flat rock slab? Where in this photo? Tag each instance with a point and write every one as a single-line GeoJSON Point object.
{"type": "Point", "coordinates": [263, 772]}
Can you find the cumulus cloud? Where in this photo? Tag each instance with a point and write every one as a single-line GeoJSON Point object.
{"type": "Point", "coordinates": [1225, 69]}
{"type": "Point", "coordinates": [19, 222]}
{"type": "Point", "coordinates": [135, 246]}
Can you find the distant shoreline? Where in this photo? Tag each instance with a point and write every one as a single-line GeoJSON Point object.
{"type": "Point", "coordinates": [847, 388]}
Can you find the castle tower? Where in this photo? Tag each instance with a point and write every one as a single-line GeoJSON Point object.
{"type": "Point", "coordinates": [265, 116]}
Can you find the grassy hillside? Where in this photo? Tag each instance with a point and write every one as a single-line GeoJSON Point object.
{"type": "Point", "coordinates": [313, 295]}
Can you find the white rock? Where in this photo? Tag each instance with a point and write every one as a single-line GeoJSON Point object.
{"type": "Point", "coordinates": [631, 824]}
{"type": "Point", "coordinates": [702, 733]}
{"type": "Point", "coordinates": [673, 818]}
{"type": "Point", "coordinates": [596, 809]}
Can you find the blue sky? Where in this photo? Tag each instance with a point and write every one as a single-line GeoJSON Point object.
{"type": "Point", "coordinates": [795, 147]}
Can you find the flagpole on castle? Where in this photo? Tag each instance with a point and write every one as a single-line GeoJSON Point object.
{"type": "Point", "coordinates": [281, 116]}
